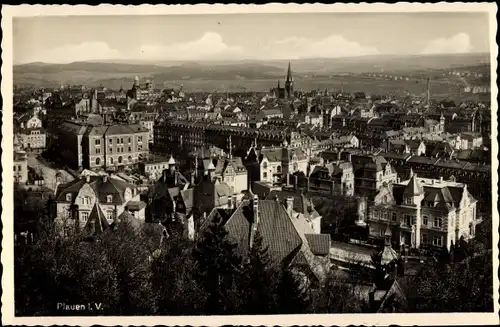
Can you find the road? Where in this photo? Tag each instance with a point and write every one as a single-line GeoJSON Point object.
{"type": "Point", "coordinates": [49, 170]}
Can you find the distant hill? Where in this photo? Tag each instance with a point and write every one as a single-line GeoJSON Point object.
{"type": "Point", "coordinates": [121, 72]}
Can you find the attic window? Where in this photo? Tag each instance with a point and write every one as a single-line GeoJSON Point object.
{"type": "Point", "coordinates": [68, 197]}
{"type": "Point", "coordinates": [109, 198]}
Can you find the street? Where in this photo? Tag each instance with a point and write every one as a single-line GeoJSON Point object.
{"type": "Point", "coordinates": [49, 170]}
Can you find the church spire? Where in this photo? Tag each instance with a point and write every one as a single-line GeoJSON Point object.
{"type": "Point", "coordinates": [289, 77]}
{"type": "Point", "coordinates": [289, 82]}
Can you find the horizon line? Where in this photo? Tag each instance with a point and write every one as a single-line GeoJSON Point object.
{"type": "Point", "coordinates": [138, 60]}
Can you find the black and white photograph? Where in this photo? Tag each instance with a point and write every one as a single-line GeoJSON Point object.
{"type": "Point", "coordinates": [232, 161]}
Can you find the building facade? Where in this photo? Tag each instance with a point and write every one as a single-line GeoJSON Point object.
{"type": "Point", "coordinates": [424, 212]}
{"type": "Point", "coordinates": [78, 200]}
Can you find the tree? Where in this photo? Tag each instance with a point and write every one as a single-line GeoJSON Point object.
{"type": "Point", "coordinates": [175, 288]}
{"type": "Point", "coordinates": [292, 298]}
{"type": "Point", "coordinates": [218, 270]}
{"type": "Point", "coordinates": [112, 270]}
{"type": "Point", "coordinates": [459, 286]}
{"type": "Point", "coordinates": [337, 296]}
{"type": "Point", "coordinates": [259, 280]}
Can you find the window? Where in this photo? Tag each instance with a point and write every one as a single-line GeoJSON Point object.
{"type": "Point", "coordinates": [110, 141]}
{"type": "Point", "coordinates": [129, 140]}
{"type": "Point", "coordinates": [407, 220]}
{"type": "Point", "coordinates": [129, 149]}
{"type": "Point", "coordinates": [110, 150]}
{"type": "Point", "coordinates": [85, 215]}
{"type": "Point", "coordinates": [139, 139]}
{"type": "Point", "coordinates": [109, 215]}
{"type": "Point", "coordinates": [97, 161]}
{"type": "Point", "coordinates": [68, 197]}
{"type": "Point", "coordinates": [129, 158]}
{"type": "Point", "coordinates": [265, 174]}
{"type": "Point", "coordinates": [139, 147]}
{"type": "Point", "coordinates": [98, 142]}
{"type": "Point", "coordinates": [409, 200]}
{"type": "Point", "coordinates": [111, 160]}
{"type": "Point", "coordinates": [394, 217]}
{"type": "Point", "coordinates": [376, 214]}
{"type": "Point", "coordinates": [120, 159]}
{"type": "Point", "coordinates": [425, 239]}
{"type": "Point", "coordinates": [385, 215]}
{"type": "Point", "coordinates": [14, 168]}
{"type": "Point", "coordinates": [109, 198]}
{"type": "Point", "coordinates": [438, 222]}
{"type": "Point", "coordinates": [425, 220]}
{"type": "Point", "coordinates": [98, 150]}
{"type": "Point", "coordinates": [437, 241]}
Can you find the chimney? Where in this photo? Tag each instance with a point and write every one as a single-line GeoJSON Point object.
{"type": "Point", "coordinates": [256, 219]}
{"type": "Point", "coordinates": [230, 203]}
{"type": "Point", "coordinates": [92, 227]}
{"type": "Point", "coordinates": [105, 179]}
{"type": "Point", "coordinates": [287, 179]}
{"type": "Point", "coordinates": [234, 202]}
{"type": "Point", "coordinates": [87, 178]}
{"type": "Point", "coordinates": [174, 206]}
{"type": "Point", "coordinates": [164, 175]}
{"type": "Point", "coordinates": [289, 206]}
{"type": "Point", "coordinates": [296, 182]}
{"type": "Point", "coordinates": [440, 179]}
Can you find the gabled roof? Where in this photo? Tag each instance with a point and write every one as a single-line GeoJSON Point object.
{"type": "Point", "coordinates": [278, 233]}
{"type": "Point", "coordinates": [413, 187]}
{"type": "Point", "coordinates": [98, 219]}
{"type": "Point", "coordinates": [300, 203]}
{"type": "Point", "coordinates": [102, 186]}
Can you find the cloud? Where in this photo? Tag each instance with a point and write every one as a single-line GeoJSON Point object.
{"type": "Point", "coordinates": [209, 46]}
{"type": "Point", "coordinates": [74, 52]}
{"type": "Point", "coordinates": [333, 46]}
{"type": "Point", "coordinates": [459, 43]}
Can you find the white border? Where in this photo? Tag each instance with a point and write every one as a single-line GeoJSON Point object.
{"type": "Point", "coordinates": [345, 319]}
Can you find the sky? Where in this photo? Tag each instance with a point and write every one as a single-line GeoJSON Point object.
{"type": "Point", "coordinates": [65, 39]}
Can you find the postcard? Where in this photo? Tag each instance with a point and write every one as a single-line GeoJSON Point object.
{"type": "Point", "coordinates": [250, 165]}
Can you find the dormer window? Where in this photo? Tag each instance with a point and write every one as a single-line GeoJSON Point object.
{"type": "Point", "coordinates": [68, 197]}
{"type": "Point", "coordinates": [409, 200]}
{"type": "Point", "coordinates": [109, 198]}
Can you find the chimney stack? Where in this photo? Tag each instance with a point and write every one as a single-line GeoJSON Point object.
{"type": "Point", "coordinates": [105, 178]}
{"type": "Point", "coordinates": [255, 222]}
{"type": "Point", "coordinates": [87, 178]}
{"type": "Point", "coordinates": [234, 202]}
{"type": "Point", "coordinates": [289, 206]}
{"type": "Point", "coordinates": [92, 226]}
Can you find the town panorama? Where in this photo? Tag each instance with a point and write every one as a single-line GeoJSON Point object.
{"type": "Point", "coordinates": [259, 187]}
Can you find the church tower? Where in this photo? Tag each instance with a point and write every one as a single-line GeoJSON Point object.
{"type": "Point", "coordinates": [289, 82]}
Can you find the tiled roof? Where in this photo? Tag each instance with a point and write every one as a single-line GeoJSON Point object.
{"type": "Point", "coordinates": [278, 233]}
{"type": "Point", "coordinates": [319, 243]}
{"type": "Point", "coordinates": [112, 186]}
{"type": "Point", "coordinates": [300, 203]}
